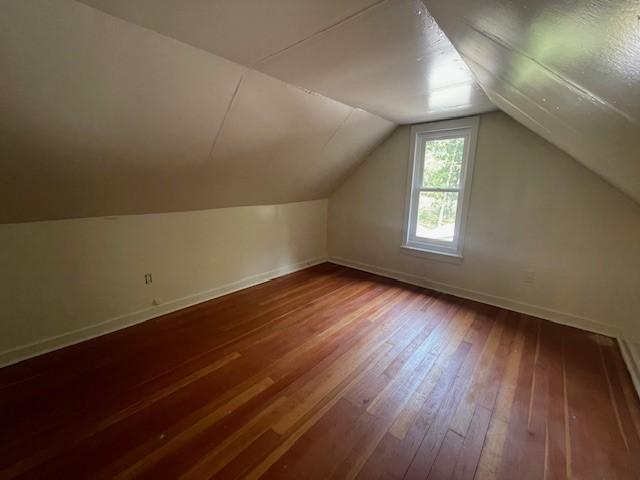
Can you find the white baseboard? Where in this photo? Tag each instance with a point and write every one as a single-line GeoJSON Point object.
{"type": "Point", "coordinates": [630, 351]}
{"type": "Point", "coordinates": [631, 356]}
{"type": "Point", "coordinates": [49, 344]}
{"type": "Point", "coordinates": [502, 302]}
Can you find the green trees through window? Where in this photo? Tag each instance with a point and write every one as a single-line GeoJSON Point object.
{"type": "Point", "coordinates": [438, 201]}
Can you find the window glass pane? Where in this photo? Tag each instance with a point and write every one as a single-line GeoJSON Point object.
{"type": "Point", "coordinates": [437, 215]}
{"type": "Point", "coordinates": [443, 163]}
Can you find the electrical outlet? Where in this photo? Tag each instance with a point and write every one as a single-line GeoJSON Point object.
{"type": "Point", "coordinates": [148, 279]}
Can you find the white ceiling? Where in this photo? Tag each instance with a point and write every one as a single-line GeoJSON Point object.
{"type": "Point", "coordinates": [282, 143]}
{"type": "Point", "coordinates": [144, 106]}
{"type": "Point", "coordinates": [245, 31]}
{"type": "Point", "coordinates": [140, 106]}
{"type": "Point", "coordinates": [387, 57]}
{"type": "Point", "coordinates": [570, 71]}
{"type": "Point", "coordinates": [102, 117]}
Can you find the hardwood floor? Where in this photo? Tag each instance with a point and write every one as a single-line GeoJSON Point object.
{"type": "Point", "coordinates": [326, 373]}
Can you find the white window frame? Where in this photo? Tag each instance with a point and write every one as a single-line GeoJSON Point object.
{"type": "Point", "coordinates": [420, 134]}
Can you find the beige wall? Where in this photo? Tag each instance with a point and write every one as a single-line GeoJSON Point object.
{"type": "Point", "coordinates": [66, 280]}
{"type": "Point", "coordinates": [532, 209]}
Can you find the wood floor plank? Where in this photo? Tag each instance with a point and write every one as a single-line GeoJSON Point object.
{"type": "Point", "coordinates": [587, 392]}
{"type": "Point", "coordinates": [467, 406]}
{"type": "Point", "coordinates": [326, 373]}
{"type": "Point", "coordinates": [156, 365]}
{"type": "Point", "coordinates": [624, 414]}
{"type": "Point", "coordinates": [293, 436]}
{"type": "Point", "coordinates": [200, 425]}
{"type": "Point", "coordinates": [555, 442]}
{"type": "Point", "coordinates": [467, 463]}
{"type": "Point", "coordinates": [442, 417]}
{"type": "Point", "coordinates": [447, 457]}
{"type": "Point", "coordinates": [395, 456]}
{"type": "Point", "coordinates": [518, 443]}
{"type": "Point", "coordinates": [491, 456]}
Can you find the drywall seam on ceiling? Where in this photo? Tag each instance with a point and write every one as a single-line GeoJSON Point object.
{"type": "Point", "coordinates": [270, 56]}
{"type": "Point", "coordinates": [365, 157]}
{"type": "Point", "coordinates": [575, 87]}
{"type": "Point", "coordinates": [337, 129]}
{"type": "Point", "coordinates": [496, 98]}
{"type": "Point", "coordinates": [572, 86]}
{"type": "Point", "coordinates": [359, 52]}
{"type": "Point", "coordinates": [320, 32]}
{"type": "Point", "coordinates": [538, 127]}
{"type": "Point", "coordinates": [226, 114]}
{"type": "Point", "coordinates": [492, 93]}
{"type": "Point", "coordinates": [24, 352]}
{"type": "Point", "coordinates": [253, 66]}
{"type": "Point", "coordinates": [519, 111]}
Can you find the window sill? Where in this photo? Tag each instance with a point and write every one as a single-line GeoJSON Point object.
{"type": "Point", "coordinates": [432, 254]}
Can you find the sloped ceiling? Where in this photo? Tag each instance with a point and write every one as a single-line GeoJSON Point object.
{"type": "Point", "coordinates": [102, 117]}
{"type": "Point", "coordinates": [570, 71]}
{"type": "Point", "coordinates": [391, 59]}
{"type": "Point", "coordinates": [126, 107]}
{"type": "Point", "coordinates": [388, 57]}
{"type": "Point", "coordinates": [111, 107]}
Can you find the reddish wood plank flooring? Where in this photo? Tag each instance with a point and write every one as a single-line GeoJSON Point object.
{"type": "Point", "coordinates": [326, 373]}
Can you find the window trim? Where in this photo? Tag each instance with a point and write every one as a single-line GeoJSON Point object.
{"type": "Point", "coordinates": [467, 127]}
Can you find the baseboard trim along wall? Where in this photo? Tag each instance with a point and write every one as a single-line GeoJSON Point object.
{"type": "Point", "coordinates": [502, 302]}
{"type": "Point", "coordinates": [57, 342]}
{"type": "Point", "coordinates": [630, 352]}
{"type": "Point", "coordinates": [631, 355]}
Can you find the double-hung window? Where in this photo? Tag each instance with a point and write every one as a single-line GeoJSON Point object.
{"type": "Point", "coordinates": [441, 166]}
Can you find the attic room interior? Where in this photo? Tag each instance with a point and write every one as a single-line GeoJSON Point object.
{"type": "Point", "coordinates": [320, 239]}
